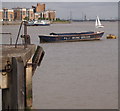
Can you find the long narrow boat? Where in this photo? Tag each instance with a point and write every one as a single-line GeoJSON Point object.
{"type": "Point", "coordinates": [71, 37]}
{"type": "Point", "coordinates": [39, 23]}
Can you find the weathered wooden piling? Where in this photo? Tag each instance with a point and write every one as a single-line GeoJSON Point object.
{"type": "Point", "coordinates": [18, 63]}
{"type": "Point", "coordinates": [16, 75]}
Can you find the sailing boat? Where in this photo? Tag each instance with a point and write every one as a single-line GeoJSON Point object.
{"type": "Point", "coordinates": [98, 23]}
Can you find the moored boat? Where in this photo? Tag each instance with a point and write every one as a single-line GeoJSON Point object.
{"type": "Point", "coordinates": [30, 23]}
{"type": "Point", "coordinates": [42, 23]}
{"type": "Point", "coordinates": [39, 23]}
{"type": "Point", "coordinates": [98, 23]}
{"type": "Point", "coordinates": [111, 36]}
{"type": "Point", "coordinates": [71, 37]}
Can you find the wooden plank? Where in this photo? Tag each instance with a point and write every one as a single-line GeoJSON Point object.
{"type": "Point", "coordinates": [18, 79]}
{"type": "Point", "coordinates": [5, 99]}
{"type": "Point", "coordinates": [3, 80]}
{"type": "Point", "coordinates": [29, 84]}
{"type": "Point", "coordinates": [37, 58]}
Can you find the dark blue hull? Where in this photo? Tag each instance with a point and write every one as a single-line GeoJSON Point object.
{"type": "Point", "coordinates": [70, 37]}
{"type": "Point", "coordinates": [41, 24]}
{"type": "Point", "coordinates": [38, 25]}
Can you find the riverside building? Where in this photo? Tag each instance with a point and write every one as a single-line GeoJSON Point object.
{"type": "Point", "coordinates": [19, 14]}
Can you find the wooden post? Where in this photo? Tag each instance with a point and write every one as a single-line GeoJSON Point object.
{"type": "Point", "coordinates": [28, 76]}
{"type": "Point", "coordinates": [14, 96]}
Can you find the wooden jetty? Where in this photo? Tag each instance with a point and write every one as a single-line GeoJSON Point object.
{"type": "Point", "coordinates": [17, 66]}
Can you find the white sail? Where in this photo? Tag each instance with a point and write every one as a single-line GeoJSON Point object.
{"type": "Point", "coordinates": [98, 23]}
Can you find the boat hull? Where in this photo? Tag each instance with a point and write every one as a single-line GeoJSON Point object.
{"type": "Point", "coordinates": [71, 37]}
{"type": "Point", "coordinates": [38, 25]}
{"type": "Point", "coordinates": [41, 24]}
{"type": "Point", "coordinates": [110, 36]}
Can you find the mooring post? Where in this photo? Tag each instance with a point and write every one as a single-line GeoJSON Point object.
{"type": "Point", "coordinates": [14, 96]}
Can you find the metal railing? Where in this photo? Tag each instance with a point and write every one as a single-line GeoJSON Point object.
{"type": "Point", "coordinates": [25, 36]}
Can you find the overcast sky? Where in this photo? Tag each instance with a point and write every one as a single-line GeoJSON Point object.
{"type": "Point", "coordinates": [60, 0]}
{"type": "Point", "coordinates": [78, 10]}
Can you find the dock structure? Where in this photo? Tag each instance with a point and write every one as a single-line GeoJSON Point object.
{"type": "Point", "coordinates": [17, 66]}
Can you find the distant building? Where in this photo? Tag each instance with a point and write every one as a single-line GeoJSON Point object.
{"type": "Point", "coordinates": [23, 13]}
{"type": "Point", "coordinates": [11, 15]}
{"type": "Point", "coordinates": [50, 14]}
{"type": "Point", "coordinates": [7, 14]}
{"type": "Point", "coordinates": [36, 16]}
{"type": "Point", "coordinates": [34, 13]}
{"type": "Point", "coordinates": [30, 14]}
{"type": "Point", "coordinates": [40, 7]}
{"type": "Point", "coordinates": [34, 9]}
{"type": "Point", "coordinates": [20, 13]}
{"type": "Point", "coordinates": [1, 15]}
{"type": "Point", "coordinates": [17, 13]}
{"type": "Point", "coordinates": [40, 12]}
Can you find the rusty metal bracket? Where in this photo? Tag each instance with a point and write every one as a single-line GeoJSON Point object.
{"type": "Point", "coordinates": [26, 40]}
{"type": "Point", "coordinates": [3, 72]}
{"type": "Point", "coordinates": [8, 69]}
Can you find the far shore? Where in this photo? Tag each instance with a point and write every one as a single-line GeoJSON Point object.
{"type": "Point", "coordinates": [19, 22]}
{"type": "Point", "coordinates": [53, 22]}
{"type": "Point", "coordinates": [10, 22]}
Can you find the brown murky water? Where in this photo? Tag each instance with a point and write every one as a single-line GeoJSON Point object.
{"type": "Point", "coordinates": [75, 75]}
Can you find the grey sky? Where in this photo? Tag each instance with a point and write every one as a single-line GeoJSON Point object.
{"type": "Point", "coordinates": [60, 0]}
{"type": "Point", "coordinates": [78, 9]}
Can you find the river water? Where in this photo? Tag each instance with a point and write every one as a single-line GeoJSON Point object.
{"type": "Point", "coordinates": [75, 75]}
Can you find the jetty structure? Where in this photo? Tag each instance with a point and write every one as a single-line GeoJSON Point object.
{"type": "Point", "coordinates": [17, 66]}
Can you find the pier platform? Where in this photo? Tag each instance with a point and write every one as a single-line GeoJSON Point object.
{"type": "Point", "coordinates": [17, 65]}
{"type": "Point", "coordinates": [9, 51]}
